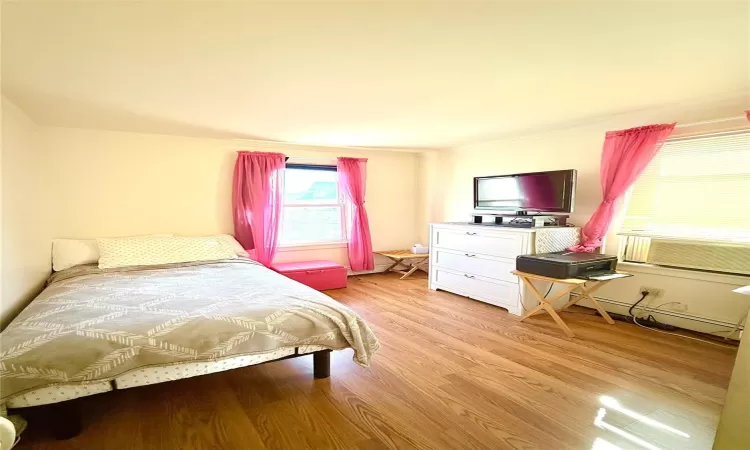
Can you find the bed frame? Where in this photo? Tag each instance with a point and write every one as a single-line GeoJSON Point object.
{"type": "Point", "coordinates": [64, 419]}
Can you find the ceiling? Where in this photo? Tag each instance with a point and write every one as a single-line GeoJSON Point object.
{"type": "Point", "coordinates": [375, 74]}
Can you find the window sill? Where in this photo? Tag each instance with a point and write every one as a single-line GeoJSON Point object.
{"type": "Point", "coordinates": [683, 273]}
{"type": "Point", "coordinates": [312, 246]}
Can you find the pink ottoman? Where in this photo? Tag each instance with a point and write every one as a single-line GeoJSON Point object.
{"type": "Point", "coordinates": [320, 275]}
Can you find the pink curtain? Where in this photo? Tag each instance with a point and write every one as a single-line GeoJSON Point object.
{"type": "Point", "coordinates": [625, 155]}
{"type": "Point", "coordinates": [352, 179]}
{"type": "Point", "coordinates": [256, 203]}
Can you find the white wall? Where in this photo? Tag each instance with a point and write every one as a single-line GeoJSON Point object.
{"type": "Point", "coordinates": [108, 183]}
{"type": "Point", "coordinates": [430, 201]}
{"type": "Point", "coordinates": [579, 147]}
{"type": "Point", "coordinates": [26, 216]}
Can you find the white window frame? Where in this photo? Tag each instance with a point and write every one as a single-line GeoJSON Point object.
{"type": "Point", "coordinates": [337, 243]}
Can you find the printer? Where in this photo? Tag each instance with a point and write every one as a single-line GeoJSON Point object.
{"type": "Point", "coordinates": [567, 264]}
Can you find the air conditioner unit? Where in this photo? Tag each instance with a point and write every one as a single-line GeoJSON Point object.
{"type": "Point", "coordinates": [717, 257]}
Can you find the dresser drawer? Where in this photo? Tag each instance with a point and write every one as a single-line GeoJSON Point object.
{"type": "Point", "coordinates": [474, 264]}
{"type": "Point", "coordinates": [481, 242]}
{"type": "Point", "coordinates": [497, 292]}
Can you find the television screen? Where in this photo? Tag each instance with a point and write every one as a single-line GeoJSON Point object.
{"type": "Point", "coordinates": [540, 191]}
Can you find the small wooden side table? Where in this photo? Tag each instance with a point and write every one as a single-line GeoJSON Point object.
{"type": "Point", "coordinates": [571, 284]}
{"type": "Point", "coordinates": [399, 256]}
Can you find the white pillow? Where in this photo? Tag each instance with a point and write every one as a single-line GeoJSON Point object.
{"type": "Point", "coordinates": [67, 253]}
{"type": "Point", "coordinates": [153, 250]}
{"type": "Point", "coordinates": [235, 245]}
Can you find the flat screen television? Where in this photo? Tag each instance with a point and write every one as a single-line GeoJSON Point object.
{"type": "Point", "coordinates": [550, 192]}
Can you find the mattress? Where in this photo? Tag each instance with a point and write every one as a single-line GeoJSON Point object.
{"type": "Point", "coordinates": [146, 376]}
{"type": "Point", "coordinates": [94, 326]}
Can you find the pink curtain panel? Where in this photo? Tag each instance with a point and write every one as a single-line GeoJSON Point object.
{"type": "Point", "coordinates": [256, 203]}
{"type": "Point", "coordinates": [625, 155]}
{"type": "Point", "coordinates": [352, 179]}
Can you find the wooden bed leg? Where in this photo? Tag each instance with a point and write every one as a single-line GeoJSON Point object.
{"type": "Point", "coordinates": [322, 364]}
{"type": "Point", "coordinates": [64, 419]}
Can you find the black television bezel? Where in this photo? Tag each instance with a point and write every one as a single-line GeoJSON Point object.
{"type": "Point", "coordinates": [568, 195]}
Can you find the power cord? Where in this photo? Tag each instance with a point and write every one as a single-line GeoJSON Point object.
{"type": "Point", "coordinates": [644, 294]}
{"type": "Point", "coordinates": [734, 347]}
{"type": "Point", "coordinates": [737, 327]}
{"type": "Point", "coordinates": [650, 317]}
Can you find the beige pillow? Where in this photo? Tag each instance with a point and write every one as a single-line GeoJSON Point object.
{"type": "Point", "coordinates": [153, 250]}
{"type": "Point", "coordinates": [235, 245]}
{"type": "Point", "coordinates": [67, 253]}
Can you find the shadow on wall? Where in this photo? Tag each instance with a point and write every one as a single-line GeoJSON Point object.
{"type": "Point", "coordinates": [9, 312]}
{"type": "Point", "coordinates": [48, 109]}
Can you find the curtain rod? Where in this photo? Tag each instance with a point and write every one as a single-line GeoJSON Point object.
{"type": "Point", "coordinates": [312, 158]}
{"type": "Point", "coordinates": [706, 122]}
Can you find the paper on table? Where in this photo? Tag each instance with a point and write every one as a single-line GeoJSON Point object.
{"type": "Point", "coordinates": [743, 290]}
{"type": "Point", "coordinates": [606, 276]}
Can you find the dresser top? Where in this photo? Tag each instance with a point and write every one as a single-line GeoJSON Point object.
{"type": "Point", "coordinates": [490, 226]}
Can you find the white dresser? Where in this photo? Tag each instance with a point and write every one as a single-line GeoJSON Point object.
{"type": "Point", "coordinates": [476, 260]}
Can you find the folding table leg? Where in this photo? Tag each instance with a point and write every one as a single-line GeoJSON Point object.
{"type": "Point", "coordinates": [533, 311]}
{"type": "Point", "coordinates": [540, 297]}
{"type": "Point", "coordinates": [571, 302]}
{"type": "Point", "coordinates": [396, 263]}
{"type": "Point", "coordinates": [547, 305]}
{"type": "Point", "coordinates": [588, 293]}
{"type": "Point", "coordinates": [411, 271]}
{"type": "Point", "coordinates": [558, 319]}
{"type": "Point", "coordinates": [414, 268]}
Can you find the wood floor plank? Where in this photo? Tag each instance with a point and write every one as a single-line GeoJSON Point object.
{"type": "Point", "coordinates": [382, 425]}
{"type": "Point", "coordinates": [503, 347]}
{"type": "Point", "coordinates": [452, 373]}
{"type": "Point", "coordinates": [508, 412]}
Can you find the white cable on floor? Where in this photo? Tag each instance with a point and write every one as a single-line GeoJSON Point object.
{"type": "Point", "coordinates": [683, 336]}
{"type": "Point", "coordinates": [735, 329]}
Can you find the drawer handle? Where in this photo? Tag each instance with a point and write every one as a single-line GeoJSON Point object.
{"type": "Point", "coordinates": [469, 276]}
{"type": "Point", "coordinates": [470, 233]}
{"type": "Point", "coordinates": [470, 256]}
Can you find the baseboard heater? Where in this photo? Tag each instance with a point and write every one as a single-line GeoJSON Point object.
{"type": "Point", "coordinates": [670, 313]}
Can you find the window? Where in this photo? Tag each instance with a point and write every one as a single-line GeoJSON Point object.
{"type": "Point", "coordinates": [694, 194]}
{"type": "Point", "coordinates": [313, 212]}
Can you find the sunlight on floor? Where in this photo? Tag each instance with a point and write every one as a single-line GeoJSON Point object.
{"type": "Point", "coordinates": [645, 432]}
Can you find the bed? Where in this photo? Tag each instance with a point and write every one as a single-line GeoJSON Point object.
{"type": "Point", "coordinates": [94, 330]}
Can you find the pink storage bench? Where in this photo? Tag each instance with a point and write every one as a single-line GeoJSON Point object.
{"type": "Point", "coordinates": [320, 275]}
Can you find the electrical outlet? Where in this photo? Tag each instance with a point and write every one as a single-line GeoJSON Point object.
{"type": "Point", "coordinates": [652, 292]}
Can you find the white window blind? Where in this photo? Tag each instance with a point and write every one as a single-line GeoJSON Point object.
{"type": "Point", "coordinates": [696, 188]}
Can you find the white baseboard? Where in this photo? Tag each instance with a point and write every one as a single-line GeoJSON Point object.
{"type": "Point", "coordinates": [678, 319]}
{"type": "Point", "coordinates": [379, 268]}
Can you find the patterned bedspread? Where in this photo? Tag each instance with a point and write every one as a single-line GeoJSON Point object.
{"type": "Point", "coordinates": [91, 324]}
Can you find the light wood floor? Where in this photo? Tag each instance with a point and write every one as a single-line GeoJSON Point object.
{"type": "Point", "coordinates": [451, 373]}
